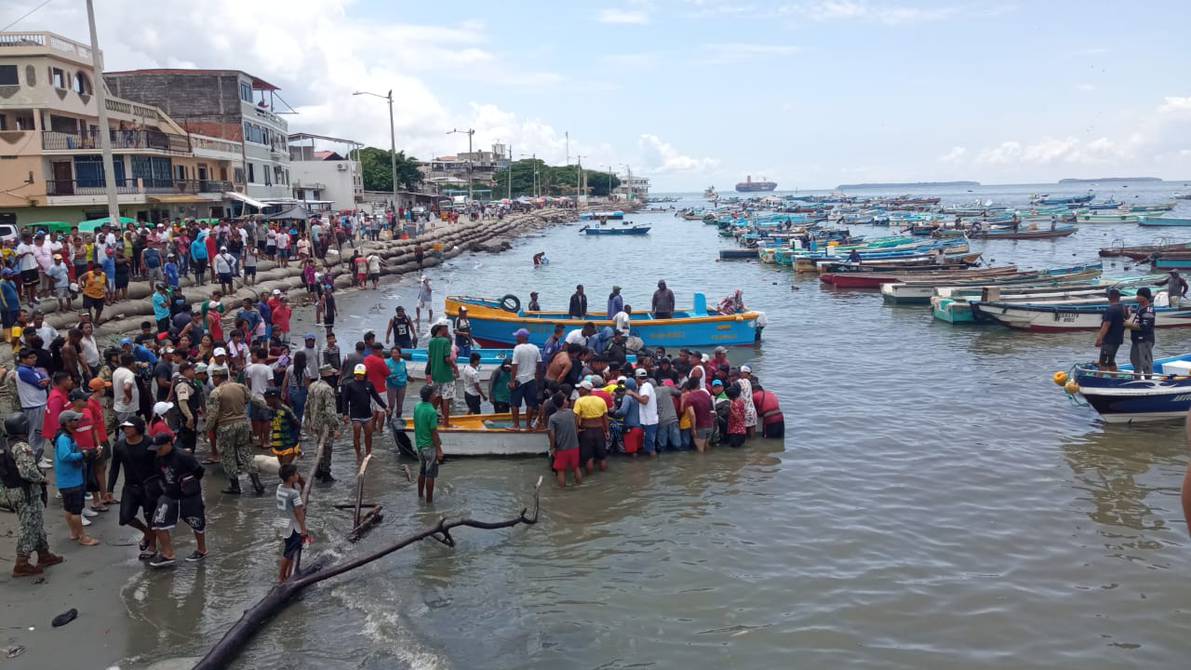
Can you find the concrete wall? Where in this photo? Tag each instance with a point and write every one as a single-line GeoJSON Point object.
{"type": "Point", "coordinates": [338, 183]}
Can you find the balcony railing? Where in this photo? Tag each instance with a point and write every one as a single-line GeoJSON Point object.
{"type": "Point", "coordinates": [121, 139]}
{"type": "Point", "coordinates": [42, 39]}
{"type": "Point", "coordinates": [215, 144]}
{"type": "Point", "coordinates": [136, 186]}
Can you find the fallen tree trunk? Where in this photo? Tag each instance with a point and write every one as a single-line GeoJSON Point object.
{"type": "Point", "coordinates": [238, 636]}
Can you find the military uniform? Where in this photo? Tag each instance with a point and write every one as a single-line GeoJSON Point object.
{"type": "Point", "coordinates": [226, 415]}
{"type": "Point", "coordinates": [322, 414]}
{"type": "Point", "coordinates": [30, 513]}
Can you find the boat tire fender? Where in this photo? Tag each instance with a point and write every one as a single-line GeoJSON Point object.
{"type": "Point", "coordinates": [510, 303]}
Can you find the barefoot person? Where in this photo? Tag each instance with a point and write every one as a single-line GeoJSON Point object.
{"type": "Point", "coordinates": [69, 469]}
{"type": "Point", "coordinates": [359, 396]}
{"type": "Point", "coordinates": [139, 492]}
{"type": "Point", "coordinates": [443, 371]}
{"type": "Point", "coordinates": [427, 441]}
{"type": "Point", "coordinates": [564, 441]}
{"type": "Point", "coordinates": [293, 510]}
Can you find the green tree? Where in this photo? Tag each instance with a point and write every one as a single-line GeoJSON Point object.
{"type": "Point", "coordinates": [552, 179]}
{"type": "Point", "coordinates": [377, 171]}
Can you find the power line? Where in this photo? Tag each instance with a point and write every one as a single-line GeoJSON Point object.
{"type": "Point", "coordinates": [27, 15]}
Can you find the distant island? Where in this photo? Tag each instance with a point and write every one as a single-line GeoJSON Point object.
{"type": "Point", "coordinates": [1092, 181]}
{"type": "Point", "coordinates": [908, 184]}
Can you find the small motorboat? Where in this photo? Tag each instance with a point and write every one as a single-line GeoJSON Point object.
{"type": "Point", "coordinates": [1125, 396]}
{"type": "Point", "coordinates": [485, 435]}
{"type": "Point", "coordinates": [613, 230]}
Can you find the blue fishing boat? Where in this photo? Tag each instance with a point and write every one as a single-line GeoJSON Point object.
{"type": "Point", "coordinates": [490, 360]}
{"type": "Point", "coordinates": [493, 323]}
{"type": "Point", "coordinates": [614, 230]}
{"type": "Point", "coordinates": [1125, 396]}
{"type": "Point", "coordinates": [1163, 221]}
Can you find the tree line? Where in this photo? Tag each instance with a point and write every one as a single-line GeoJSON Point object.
{"type": "Point", "coordinates": [552, 180]}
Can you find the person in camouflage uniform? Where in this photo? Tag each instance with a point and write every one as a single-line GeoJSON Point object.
{"type": "Point", "coordinates": [228, 421]}
{"type": "Point", "coordinates": [29, 500]}
{"type": "Point", "coordinates": [322, 414]}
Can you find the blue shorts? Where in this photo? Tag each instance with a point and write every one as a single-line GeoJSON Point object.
{"type": "Point", "coordinates": [649, 445]}
{"type": "Point", "coordinates": [527, 391]}
{"type": "Point", "coordinates": [292, 545]}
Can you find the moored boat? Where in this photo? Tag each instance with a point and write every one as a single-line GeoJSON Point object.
{"type": "Point", "coordinates": [1125, 396]}
{"type": "Point", "coordinates": [487, 435]}
{"type": "Point", "coordinates": [1067, 316]}
{"type": "Point", "coordinates": [1031, 232]}
{"type": "Point", "coordinates": [1157, 221]}
{"type": "Point", "coordinates": [596, 216]}
{"type": "Point", "coordinates": [493, 323]}
{"type": "Point", "coordinates": [1144, 251]}
{"type": "Point", "coordinates": [615, 230]}
{"type": "Point", "coordinates": [1108, 218]}
{"type": "Point", "coordinates": [920, 291]}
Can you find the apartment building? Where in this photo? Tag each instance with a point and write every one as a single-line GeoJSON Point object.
{"type": "Point", "coordinates": [226, 104]}
{"type": "Point", "coordinates": [449, 174]}
{"type": "Point", "coordinates": [325, 172]}
{"type": "Point", "coordinates": [50, 162]}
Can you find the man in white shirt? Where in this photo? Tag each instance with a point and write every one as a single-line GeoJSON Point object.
{"type": "Point", "coordinates": [646, 396]}
{"type": "Point", "coordinates": [126, 396]}
{"type": "Point", "coordinates": [523, 385]}
{"type": "Point", "coordinates": [27, 264]}
{"type": "Point", "coordinates": [622, 319]}
{"type": "Point", "coordinates": [581, 336]}
{"type": "Point", "coordinates": [259, 377]}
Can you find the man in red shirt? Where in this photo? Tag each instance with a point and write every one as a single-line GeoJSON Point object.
{"type": "Point", "coordinates": [769, 412]}
{"type": "Point", "coordinates": [599, 392]}
{"type": "Point", "coordinates": [215, 323]}
{"type": "Point", "coordinates": [281, 317]}
{"type": "Point", "coordinates": [376, 371]}
{"type": "Point", "coordinates": [59, 400]}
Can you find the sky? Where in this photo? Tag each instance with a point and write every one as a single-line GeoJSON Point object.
{"type": "Point", "coordinates": [692, 93]}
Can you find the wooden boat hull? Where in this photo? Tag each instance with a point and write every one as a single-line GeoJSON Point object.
{"type": "Point", "coordinates": [1108, 218]}
{"type": "Point", "coordinates": [1039, 234]}
{"type": "Point", "coordinates": [1061, 318]}
{"type": "Point", "coordinates": [634, 230]}
{"type": "Point", "coordinates": [493, 326]}
{"type": "Point", "coordinates": [486, 435]}
{"type": "Point", "coordinates": [1123, 397]}
{"type": "Point", "coordinates": [1143, 252]}
{"type": "Point", "coordinates": [1155, 221]}
{"type": "Point", "coordinates": [740, 254]}
{"type": "Point", "coordinates": [921, 292]}
{"type": "Point", "coordinates": [952, 311]}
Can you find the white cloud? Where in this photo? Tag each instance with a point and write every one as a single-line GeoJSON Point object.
{"type": "Point", "coordinates": [319, 53]}
{"type": "Point", "coordinates": [1175, 105]}
{"type": "Point", "coordinates": [954, 155]}
{"type": "Point", "coordinates": [739, 52]}
{"type": "Point", "coordinates": [662, 158]}
{"type": "Point", "coordinates": [615, 15]}
{"type": "Point", "coordinates": [859, 10]}
{"type": "Point", "coordinates": [1085, 87]}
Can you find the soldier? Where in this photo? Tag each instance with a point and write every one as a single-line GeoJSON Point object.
{"type": "Point", "coordinates": [321, 414]}
{"type": "Point", "coordinates": [27, 491]}
{"type": "Point", "coordinates": [227, 420]}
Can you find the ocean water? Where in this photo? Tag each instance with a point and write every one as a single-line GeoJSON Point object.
{"type": "Point", "coordinates": [937, 502]}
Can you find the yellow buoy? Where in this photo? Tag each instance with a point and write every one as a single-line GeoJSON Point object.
{"type": "Point", "coordinates": [1071, 387]}
{"type": "Point", "coordinates": [1060, 377]}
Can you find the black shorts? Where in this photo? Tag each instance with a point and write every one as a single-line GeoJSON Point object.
{"type": "Point", "coordinates": [428, 458]}
{"type": "Point", "coordinates": [1108, 354]}
{"type": "Point", "coordinates": [735, 440]}
{"type": "Point", "coordinates": [72, 499]}
{"type": "Point", "coordinates": [30, 277]}
{"type": "Point", "coordinates": [774, 430]}
{"type": "Point", "coordinates": [592, 445]}
{"type": "Point", "coordinates": [374, 276]}
{"type": "Point", "coordinates": [292, 545]}
{"type": "Point", "coordinates": [260, 245]}
{"type": "Point", "coordinates": [9, 319]}
{"type": "Point", "coordinates": [90, 302]}
{"type": "Point", "coordinates": [473, 403]}
{"type": "Point", "coordinates": [134, 500]}
{"type": "Point", "coordinates": [249, 271]}
{"type": "Point", "coordinates": [190, 509]}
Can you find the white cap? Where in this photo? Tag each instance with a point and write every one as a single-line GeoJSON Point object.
{"type": "Point", "coordinates": [219, 351]}
{"type": "Point", "coordinates": [359, 369]}
{"type": "Point", "coordinates": [161, 408]}
{"type": "Point", "coordinates": [276, 291]}
{"type": "Point", "coordinates": [745, 369]}
{"type": "Point", "coordinates": [586, 385]}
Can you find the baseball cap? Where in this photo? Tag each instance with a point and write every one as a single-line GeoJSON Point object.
{"type": "Point", "coordinates": [463, 308]}
{"type": "Point", "coordinates": [745, 369]}
{"type": "Point", "coordinates": [134, 422]}
{"type": "Point", "coordinates": [586, 385]}
{"type": "Point", "coordinates": [326, 369]}
{"type": "Point", "coordinates": [721, 350]}
{"type": "Point", "coordinates": [158, 441]}
{"type": "Point", "coordinates": [668, 382]}
{"type": "Point", "coordinates": [220, 370]}
{"type": "Point", "coordinates": [597, 380]}
{"type": "Point", "coordinates": [98, 384]}
{"type": "Point", "coordinates": [641, 372]}
{"type": "Point", "coordinates": [717, 383]}
{"type": "Point", "coordinates": [276, 291]}
{"type": "Point", "coordinates": [219, 351]}
{"type": "Point", "coordinates": [69, 415]}
{"type": "Point", "coordinates": [310, 336]}
{"type": "Point", "coordinates": [521, 332]}
{"type": "Point", "coordinates": [359, 369]}
{"type": "Point", "coordinates": [79, 394]}
{"type": "Point", "coordinates": [201, 367]}
{"type": "Point", "coordinates": [126, 340]}
{"type": "Point", "coordinates": [160, 408]}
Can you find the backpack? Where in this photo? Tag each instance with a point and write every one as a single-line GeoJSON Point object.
{"type": "Point", "coordinates": [10, 477]}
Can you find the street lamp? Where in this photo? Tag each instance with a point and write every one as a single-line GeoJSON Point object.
{"type": "Point", "coordinates": [534, 160]}
{"type": "Point", "coordinates": [469, 132]}
{"type": "Point", "coordinates": [392, 141]}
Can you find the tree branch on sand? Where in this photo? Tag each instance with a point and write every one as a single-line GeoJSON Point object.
{"type": "Point", "coordinates": [238, 636]}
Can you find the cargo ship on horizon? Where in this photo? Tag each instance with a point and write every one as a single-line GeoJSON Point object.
{"type": "Point", "coordinates": [750, 186]}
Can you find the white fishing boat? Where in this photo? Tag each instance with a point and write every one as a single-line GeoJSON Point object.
{"type": "Point", "coordinates": [487, 435]}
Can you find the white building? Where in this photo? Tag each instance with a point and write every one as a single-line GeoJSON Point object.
{"type": "Point", "coordinates": [632, 187]}
{"type": "Point", "coordinates": [325, 172]}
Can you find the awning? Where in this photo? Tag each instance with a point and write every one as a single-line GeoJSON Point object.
{"type": "Point", "coordinates": [244, 199]}
{"type": "Point", "coordinates": [177, 199]}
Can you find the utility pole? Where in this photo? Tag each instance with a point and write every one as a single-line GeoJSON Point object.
{"type": "Point", "coordinates": [105, 133]}
{"type": "Point", "coordinates": [568, 136]}
{"type": "Point", "coordinates": [510, 195]}
{"type": "Point", "coordinates": [392, 140]}
{"type": "Point", "coordinates": [578, 177]}
{"type": "Point", "coordinates": [469, 132]}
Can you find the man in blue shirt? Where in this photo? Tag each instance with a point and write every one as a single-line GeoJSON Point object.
{"type": "Point", "coordinates": [262, 306]}
{"type": "Point", "coordinates": [171, 272]}
{"type": "Point", "coordinates": [140, 353]}
{"type": "Point", "coordinates": [1141, 333]}
{"type": "Point", "coordinates": [161, 308]}
{"type": "Point", "coordinates": [198, 257]}
{"type": "Point", "coordinates": [250, 316]}
{"type": "Point", "coordinates": [1112, 331]}
{"type": "Point", "coordinates": [69, 468]}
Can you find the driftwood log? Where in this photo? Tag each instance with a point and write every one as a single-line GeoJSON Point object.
{"type": "Point", "coordinates": [238, 636]}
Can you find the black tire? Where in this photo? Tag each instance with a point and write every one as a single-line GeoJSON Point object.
{"type": "Point", "coordinates": [510, 303]}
